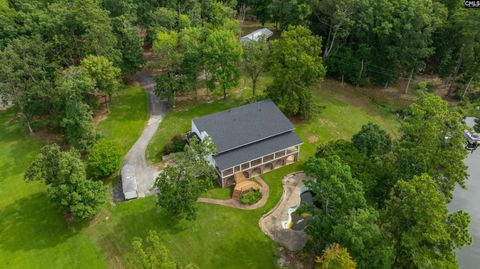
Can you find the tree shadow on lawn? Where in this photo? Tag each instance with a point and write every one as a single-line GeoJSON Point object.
{"type": "Point", "coordinates": [31, 223]}
{"type": "Point", "coordinates": [215, 239]}
{"type": "Point", "coordinates": [140, 222]}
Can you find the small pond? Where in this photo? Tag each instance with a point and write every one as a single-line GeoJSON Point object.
{"type": "Point", "coordinates": [296, 221]}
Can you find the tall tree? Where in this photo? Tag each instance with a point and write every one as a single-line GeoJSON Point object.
{"type": "Point", "coordinates": [425, 235]}
{"type": "Point", "coordinates": [372, 140]}
{"type": "Point", "coordinates": [336, 194]}
{"type": "Point", "coordinates": [255, 55]}
{"type": "Point", "coordinates": [222, 53]}
{"type": "Point", "coordinates": [181, 60]}
{"type": "Point", "coordinates": [78, 125]}
{"type": "Point", "coordinates": [169, 85]}
{"type": "Point", "coordinates": [290, 12]}
{"type": "Point", "coordinates": [24, 76]}
{"type": "Point", "coordinates": [74, 29]}
{"type": "Point", "coordinates": [130, 43]}
{"type": "Point", "coordinates": [179, 185]}
{"type": "Point", "coordinates": [67, 186]}
{"type": "Point", "coordinates": [433, 143]}
{"type": "Point", "coordinates": [295, 66]}
{"type": "Point", "coordinates": [103, 73]}
{"type": "Point", "coordinates": [335, 257]}
{"type": "Point", "coordinates": [361, 233]}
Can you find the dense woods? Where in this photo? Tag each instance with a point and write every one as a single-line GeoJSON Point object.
{"type": "Point", "coordinates": [382, 41]}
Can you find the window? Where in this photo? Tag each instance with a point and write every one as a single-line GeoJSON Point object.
{"type": "Point", "coordinates": [257, 161]}
{"type": "Point", "coordinates": [268, 158]}
{"type": "Point", "coordinates": [228, 172]}
{"type": "Point", "coordinates": [279, 154]}
{"type": "Point", "coordinates": [291, 150]}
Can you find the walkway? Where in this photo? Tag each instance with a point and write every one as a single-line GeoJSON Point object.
{"type": "Point", "coordinates": [271, 223]}
{"type": "Point", "coordinates": [236, 204]}
{"type": "Point", "coordinates": [146, 173]}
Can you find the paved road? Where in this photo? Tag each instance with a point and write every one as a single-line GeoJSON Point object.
{"type": "Point", "coordinates": [468, 200]}
{"type": "Point", "coordinates": [146, 173]}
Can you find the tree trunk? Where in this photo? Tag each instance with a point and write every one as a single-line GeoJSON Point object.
{"type": "Point", "coordinates": [360, 75]}
{"type": "Point", "coordinates": [466, 88]}
{"type": "Point", "coordinates": [409, 80]}
{"type": "Point", "coordinates": [29, 126]}
{"type": "Point", "coordinates": [451, 87]}
{"type": "Point", "coordinates": [254, 85]}
{"type": "Point", "coordinates": [224, 93]}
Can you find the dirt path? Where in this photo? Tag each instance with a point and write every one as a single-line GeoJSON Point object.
{"type": "Point", "coordinates": [146, 173]}
{"type": "Point", "coordinates": [237, 204]}
{"type": "Point", "coordinates": [271, 223]}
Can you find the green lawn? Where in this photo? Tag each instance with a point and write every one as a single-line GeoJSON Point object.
{"type": "Point", "coordinates": [33, 233]}
{"type": "Point", "coordinates": [342, 116]}
{"type": "Point", "coordinates": [220, 237]}
{"type": "Point", "coordinates": [218, 193]}
{"type": "Point", "coordinates": [127, 118]}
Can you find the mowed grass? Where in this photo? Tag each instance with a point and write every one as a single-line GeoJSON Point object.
{"type": "Point", "coordinates": [127, 118]}
{"type": "Point", "coordinates": [33, 234]}
{"type": "Point", "coordinates": [343, 111]}
{"type": "Point", "coordinates": [220, 237]}
{"type": "Point", "coordinates": [223, 237]}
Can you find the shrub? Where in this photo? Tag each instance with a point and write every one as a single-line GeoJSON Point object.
{"type": "Point", "coordinates": [425, 86]}
{"type": "Point", "coordinates": [177, 144]}
{"type": "Point", "coordinates": [251, 197]}
{"type": "Point", "coordinates": [104, 159]}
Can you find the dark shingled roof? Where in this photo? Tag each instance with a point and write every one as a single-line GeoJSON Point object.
{"type": "Point", "coordinates": [256, 150]}
{"type": "Point", "coordinates": [243, 125]}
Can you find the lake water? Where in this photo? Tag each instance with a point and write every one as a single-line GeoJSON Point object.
{"type": "Point", "coordinates": [469, 200]}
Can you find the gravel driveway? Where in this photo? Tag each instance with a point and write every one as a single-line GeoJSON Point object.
{"type": "Point", "coordinates": [146, 173]}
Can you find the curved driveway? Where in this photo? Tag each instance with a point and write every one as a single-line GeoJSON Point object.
{"type": "Point", "coordinates": [146, 173]}
{"type": "Point", "coordinates": [271, 223]}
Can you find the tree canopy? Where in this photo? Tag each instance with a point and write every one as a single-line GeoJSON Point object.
{"type": "Point", "coordinates": [424, 234]}
{"type": "Point", "coordinates": [295, 66]}
{"type": "Point", "coordinates": [433, 143]}
{"type": "Point", "coordinates": [180, 184]}
{"type": "Point", "coordinates": [222, 53]}
{"type": "Point", "coordinates": [67, 187]}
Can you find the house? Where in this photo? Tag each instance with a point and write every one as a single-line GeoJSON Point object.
{"type": "Point", "coordinates": [250, 139]}
{"type": "Point", "coordinates": [256, 35]}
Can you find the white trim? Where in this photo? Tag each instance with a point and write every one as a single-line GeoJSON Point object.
{"type": "Point", "coordinates": [250, 162]}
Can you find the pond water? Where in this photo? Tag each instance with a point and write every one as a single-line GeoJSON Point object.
{"type": "Point", "coordinates": [469, 201]}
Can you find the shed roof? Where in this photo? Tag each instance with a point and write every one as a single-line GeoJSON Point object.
{"type": "Point", "coordinates": [256, 150]}
{"type": "Point", "coordinates": [243, 125]}
{"type": "Point", "coordinates": [129, 182]}
{"type": "Point", "coordinates": [255, 35]}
